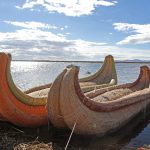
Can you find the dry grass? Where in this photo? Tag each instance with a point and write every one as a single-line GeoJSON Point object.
{"type": "Point", "coordinates": [35, 145]}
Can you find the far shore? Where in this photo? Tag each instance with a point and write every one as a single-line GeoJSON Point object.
{"type": "Point", "coordinates": [117, 61]}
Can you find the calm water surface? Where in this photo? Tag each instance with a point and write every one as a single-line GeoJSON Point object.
{"type": "Point", "coordinates": [137, 133]}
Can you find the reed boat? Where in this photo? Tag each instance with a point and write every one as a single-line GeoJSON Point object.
{"type": "Point", "coordinates": [26, 109]}
{"type": "Point", "coordinates": [100, 111]}
{"type": "Point", "coordinates": [16, 106]}
{"type": "Point", "coordinates": [103, 77]}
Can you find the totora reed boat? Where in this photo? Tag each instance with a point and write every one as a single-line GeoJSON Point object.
{"type": "Point", "coordinates": [100, 111]}
{"type": "Point", "coordinates": [106, 76]}
{"type": "Point", "coordinates": [96, 80]}
{"type": "Point", "coordinates": [28, 109]}
{"type": "Point", "coordinates": [15, 106]}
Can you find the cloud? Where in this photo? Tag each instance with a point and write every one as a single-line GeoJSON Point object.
{"type": "Point", "coordinates": [29, 35]}
{"type": "Point", "coordinates": [32, 25]}
{"type": "Point", "coordinates": [31, 42]}
{"type": "Point", "coordinates": [67, 7]}
{"type": "Point", "coordinates": [35, 43]}
{"type": "Point", "coordinates": [140, 34]}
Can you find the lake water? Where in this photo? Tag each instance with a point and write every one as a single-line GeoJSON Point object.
{"type": "Point", "coordinates": [137, 133]}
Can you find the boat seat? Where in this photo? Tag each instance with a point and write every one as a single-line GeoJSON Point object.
{"type": "Point", "coordinates": [82, 84]}
{"type": "Point", "coordinates": [40, 93]}
{"type": "Point", "coordinates": [112, 95]}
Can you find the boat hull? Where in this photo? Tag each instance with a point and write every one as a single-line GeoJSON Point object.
{"type": "Point", "coordinates": [12, 108]}
{"type": "Point", "coordinates": [103, 76]}
{"type": "Point", "coordinates": [88, 117]}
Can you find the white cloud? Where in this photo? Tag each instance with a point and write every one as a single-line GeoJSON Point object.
{"type": "Point", "coordinates": [29, 35]}
{"type": "Point", "coordinates": [32, 42]}
{"type": "Point", "coordinates": [140, 34]}
{"type": "Point", "coordinates": [68, 33]}
{"type": "Point", "coordinates": [67, 7]}
{"type": "Point", "coordinates": [36, 43]}
{"type": "Point", "coordinates": [31, 25]}
{"type": "Point", "coordinates": [62, 29]}
{"type": "Point", "coordinates": [66, 27]}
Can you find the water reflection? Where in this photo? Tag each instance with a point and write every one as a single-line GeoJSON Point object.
{"type": "Point", "coordinates": [123, 139]}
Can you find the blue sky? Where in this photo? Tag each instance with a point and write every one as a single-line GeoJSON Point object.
{"type": "Point", "coordinates": [75, 29]}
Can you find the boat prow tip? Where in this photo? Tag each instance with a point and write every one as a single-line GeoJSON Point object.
{"type": "Point", "coordinates": [144, 67]}
{"type": "Point", "coordinates": [9, 56]}
{"type": "Point", "coordinates": [144, 70]}
{"type": "Point", "coordinates": [3, 53]}
{"type": "Point", "coordinates": [109, 56]}
{"type": "Point", "coordinates": [72, 67]}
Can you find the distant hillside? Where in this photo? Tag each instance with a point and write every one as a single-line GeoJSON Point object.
{"type": "Point", "coordinates": [118, 61]}
{"type": "Point", "coordinates": [133, 60]}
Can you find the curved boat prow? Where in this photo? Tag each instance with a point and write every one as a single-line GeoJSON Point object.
{"type": "Point", "coordinates": [17, 107]}
{"type": "Point", "coordinates": [140, 83]}
{"type": "Point", "coordinates": [143, 79]}
{"type": "Point", "coordinates": [105, 74]}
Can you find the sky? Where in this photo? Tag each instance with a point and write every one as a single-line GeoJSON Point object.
{"type": "Point", "coordinates": [75, 29]}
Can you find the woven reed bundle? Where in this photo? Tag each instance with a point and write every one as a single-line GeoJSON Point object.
{"type": "Point", "coordinates": [113, 95]}
{"type": "Point", "coordinates": [35, 145]}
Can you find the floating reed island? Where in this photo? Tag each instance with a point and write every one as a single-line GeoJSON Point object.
{"type": "Point", "coordinates": [27, 109]}
{"type": "Point", "coordinates": [100, 111]}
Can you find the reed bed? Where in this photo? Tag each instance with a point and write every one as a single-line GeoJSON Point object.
{"type": "Point", "coordinates": [35, 145]}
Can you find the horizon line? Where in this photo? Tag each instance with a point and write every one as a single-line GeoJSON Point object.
{"type": "Point", "coordinates": [85, 61]}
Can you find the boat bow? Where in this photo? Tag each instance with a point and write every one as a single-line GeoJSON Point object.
{"type": "Point", "coordinates": [16, 106]}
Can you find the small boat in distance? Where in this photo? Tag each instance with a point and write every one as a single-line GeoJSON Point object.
{"type": "Point", "coordinates": [100, 111]}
